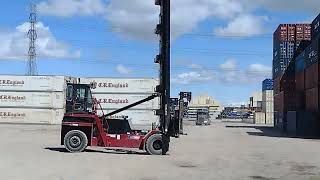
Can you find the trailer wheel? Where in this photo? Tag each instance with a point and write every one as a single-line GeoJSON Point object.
{"type": "Point", "coordinates": [75, 141]}
{"type": "Point", "coordinates": [154, 144]}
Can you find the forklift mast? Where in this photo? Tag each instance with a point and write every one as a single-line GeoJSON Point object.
{"type": "Point", "coordinates": [163, 59]}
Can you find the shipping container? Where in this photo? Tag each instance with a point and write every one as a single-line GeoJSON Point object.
{"type": "Point", "coordinates": [276, 103]}
{"type": "Point", "coordinates": [139, 119]}
{"type": "Point", "coordinates": [303, 32]}
{"type": "Point", "coordinates": [268, 102]}
{"type": "Point", "coordinates": [312, 53]}
{"type": "Point", "coordinates": [259, 118]}
{"type": "Point", "coordinates": [122, 85]}
{"type": "Point", "coordinates": [300, 62]}
{"type": "Point", "coordinates": [315, 28]}
{"type": "Point", "coordinates": [270, 118]}
{"type": "Point", "coordinates": [34, 83]}
{"type": "Point", "coordinates": [312, 100]}
{"type": "Point", "coordinates": [117, 101]}
{"type": "Point", "coordinates": [278, 119]}
{"type": "Point", "coordinates": [289, 102]}
{"type": "Point", "coordinates": [281, 33]}
{"type": "Point", "coordinates": [312, 76]}
{"type": "Point", "coordinates": [31, 116]}
{"type": "Point", "coordinates": [46, 100]}
{"type": "Point", "coordinates": [300, 83]}
{"type": "Point", "coordinates": [281, 102]}
{"type": "Point", "coordinates": [292, 123]}
{"type": "Point", "coordinates": [288, 84]}
{"type": "Point", "coordinates": [276, 85]}
{"type": "Point", "coordinates": [267, 84]}
{"type": "Point", "coordinates": [301, 101]}
{"type": "Point", "coordinates": [308, 124]}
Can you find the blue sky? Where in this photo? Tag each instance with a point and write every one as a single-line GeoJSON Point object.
{"type": "Point", "coordinates": [223, 47]}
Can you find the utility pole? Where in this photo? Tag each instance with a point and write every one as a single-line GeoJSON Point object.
{"type": "Point", "coordinates": [163, 59]}
{"type": "Point", "coordinates": [32, 34]}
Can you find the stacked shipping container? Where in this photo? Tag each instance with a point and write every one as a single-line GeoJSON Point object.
{"type": "Point", "coordinates": [286, 41]}
{"type": "Point", "coordinates": [300, 92]}
{"type": "Point", "coordinates": [268, 106]}
{"type": "Point", "coordinates": [312, 76]}
{"type": "Point", "coordinates": [115, 93]}
{"type": "Point", "coordinates": [267, 101]}
{"type": "Point", "coordinates": [32, 99]}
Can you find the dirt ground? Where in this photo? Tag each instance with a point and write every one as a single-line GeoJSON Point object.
{"type": "Point", "coordinates": [222, 151]}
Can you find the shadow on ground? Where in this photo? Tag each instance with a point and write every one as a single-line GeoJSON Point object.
{"type": "Point", "coordinates": [269, 132]}
{"type": "Point", "coordinates": [106, 151]}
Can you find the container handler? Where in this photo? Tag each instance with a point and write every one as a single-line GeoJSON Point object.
{"type": "Point", "coordinates": [82, 127]}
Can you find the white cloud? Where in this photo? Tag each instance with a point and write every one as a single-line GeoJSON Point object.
{"type": "Point", "coordinates": [197, 75]}
{"type": "Point", "coordinates": [260, 70]}
{"type": "Point", "coordinates": [310, 6]}
{"type": "Point", "coordinates": [14, 44]}
{"type": "Point", "coordinates": [193, 77]}
{"type": "Point", "coordinates": [69, 8]}
{"type": "Point", "coordinates": [243, 26]}
{"type": "Point", "coordinates": [230, 73]}
{"type": "Point", "coordinates": [230, 64]}
{"type": "Point", "coordinates": [122, 69]}
{"type": "Point", "coordinates": [137, 18]}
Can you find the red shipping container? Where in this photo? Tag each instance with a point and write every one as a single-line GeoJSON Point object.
{"type": "Point", "coordinates": [300, 82]}
{"type": "Point", "coordinates": [288, 83]}
{"type": "Point", "coordinates": [300, 101]}
{"type": "Point", "coordinates": [312, 76]}
{"type": "Point", "coordinates": [276, 85]}
{"type": "Point", "coordinates": [312, 100]}
{"type": "Point", "coordinates": [289, 101]}
{"type": "Point", "coordinates": [281, 100]}
{"type": "Point", "coordinates": [276, 102]}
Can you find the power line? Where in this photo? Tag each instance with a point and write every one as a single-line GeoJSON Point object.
{"type": "Point", "coordinates": [32, 33]}
{"type": "Point", "coordinates": [112, 28]}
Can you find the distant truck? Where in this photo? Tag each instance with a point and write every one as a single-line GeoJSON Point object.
{"type": "Point", "coordinates": [203, 117]}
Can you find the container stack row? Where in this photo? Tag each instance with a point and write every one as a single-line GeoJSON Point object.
{"type": "Point", "coordinates": [42, 99]}
{"type": "Point", "coordinates": [115, 93]}
{"type": "Point", "coordinates": [296, 90]}
{"type": "Point", "coordinates": [267, 114]}
{"type": "Point", "coordinates": [36, 99]}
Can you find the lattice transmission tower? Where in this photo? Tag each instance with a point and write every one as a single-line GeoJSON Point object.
{"type": "Point", "coordinates": [32, 34]}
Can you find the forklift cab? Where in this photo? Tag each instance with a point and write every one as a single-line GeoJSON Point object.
{"type": "Point", "coordinates": [79, 99]}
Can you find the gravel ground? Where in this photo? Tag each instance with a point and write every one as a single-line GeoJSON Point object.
{"type": "Point", "coordinates": [222, 151]}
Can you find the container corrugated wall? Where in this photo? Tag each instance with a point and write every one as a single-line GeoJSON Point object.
{"type": "Point", "coordinates": [32, 99]}
{"type": "Point", "coordinates": [115, 93]}
{"type": "Point", "coordinates": [259, 118]}
{"type": "Point", "coordinates": [268, 106]}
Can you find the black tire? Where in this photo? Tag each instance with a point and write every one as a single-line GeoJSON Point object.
{"type": "Point", "coordinates": [154, 145]}
{"type": "Point", "coordinates": [75, 141]}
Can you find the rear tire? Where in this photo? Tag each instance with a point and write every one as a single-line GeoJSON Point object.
{"type": "Point", "coordinates": [75, 141]}
{"type": "Point", "coordinates": [154, 144]}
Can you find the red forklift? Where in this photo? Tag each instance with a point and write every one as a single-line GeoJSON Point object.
{"type": "Point", "coordinates": [82, 127]}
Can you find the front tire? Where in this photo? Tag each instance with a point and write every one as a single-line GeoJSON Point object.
{"type": "Point", "coordinates": [75, 141]}
{"type": "Point", "coordinates": [154, 144]}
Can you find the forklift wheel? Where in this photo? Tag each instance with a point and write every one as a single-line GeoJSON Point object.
{"type": "Point", "coordinates": [154, 144]}
{"type": "Point", "coordinates": [75, 141]}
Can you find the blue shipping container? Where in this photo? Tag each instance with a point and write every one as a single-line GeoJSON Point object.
{"type": "Point", "coordinates": [300, 62]}
{"type": "Point", "coordinates": [267, 84]}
